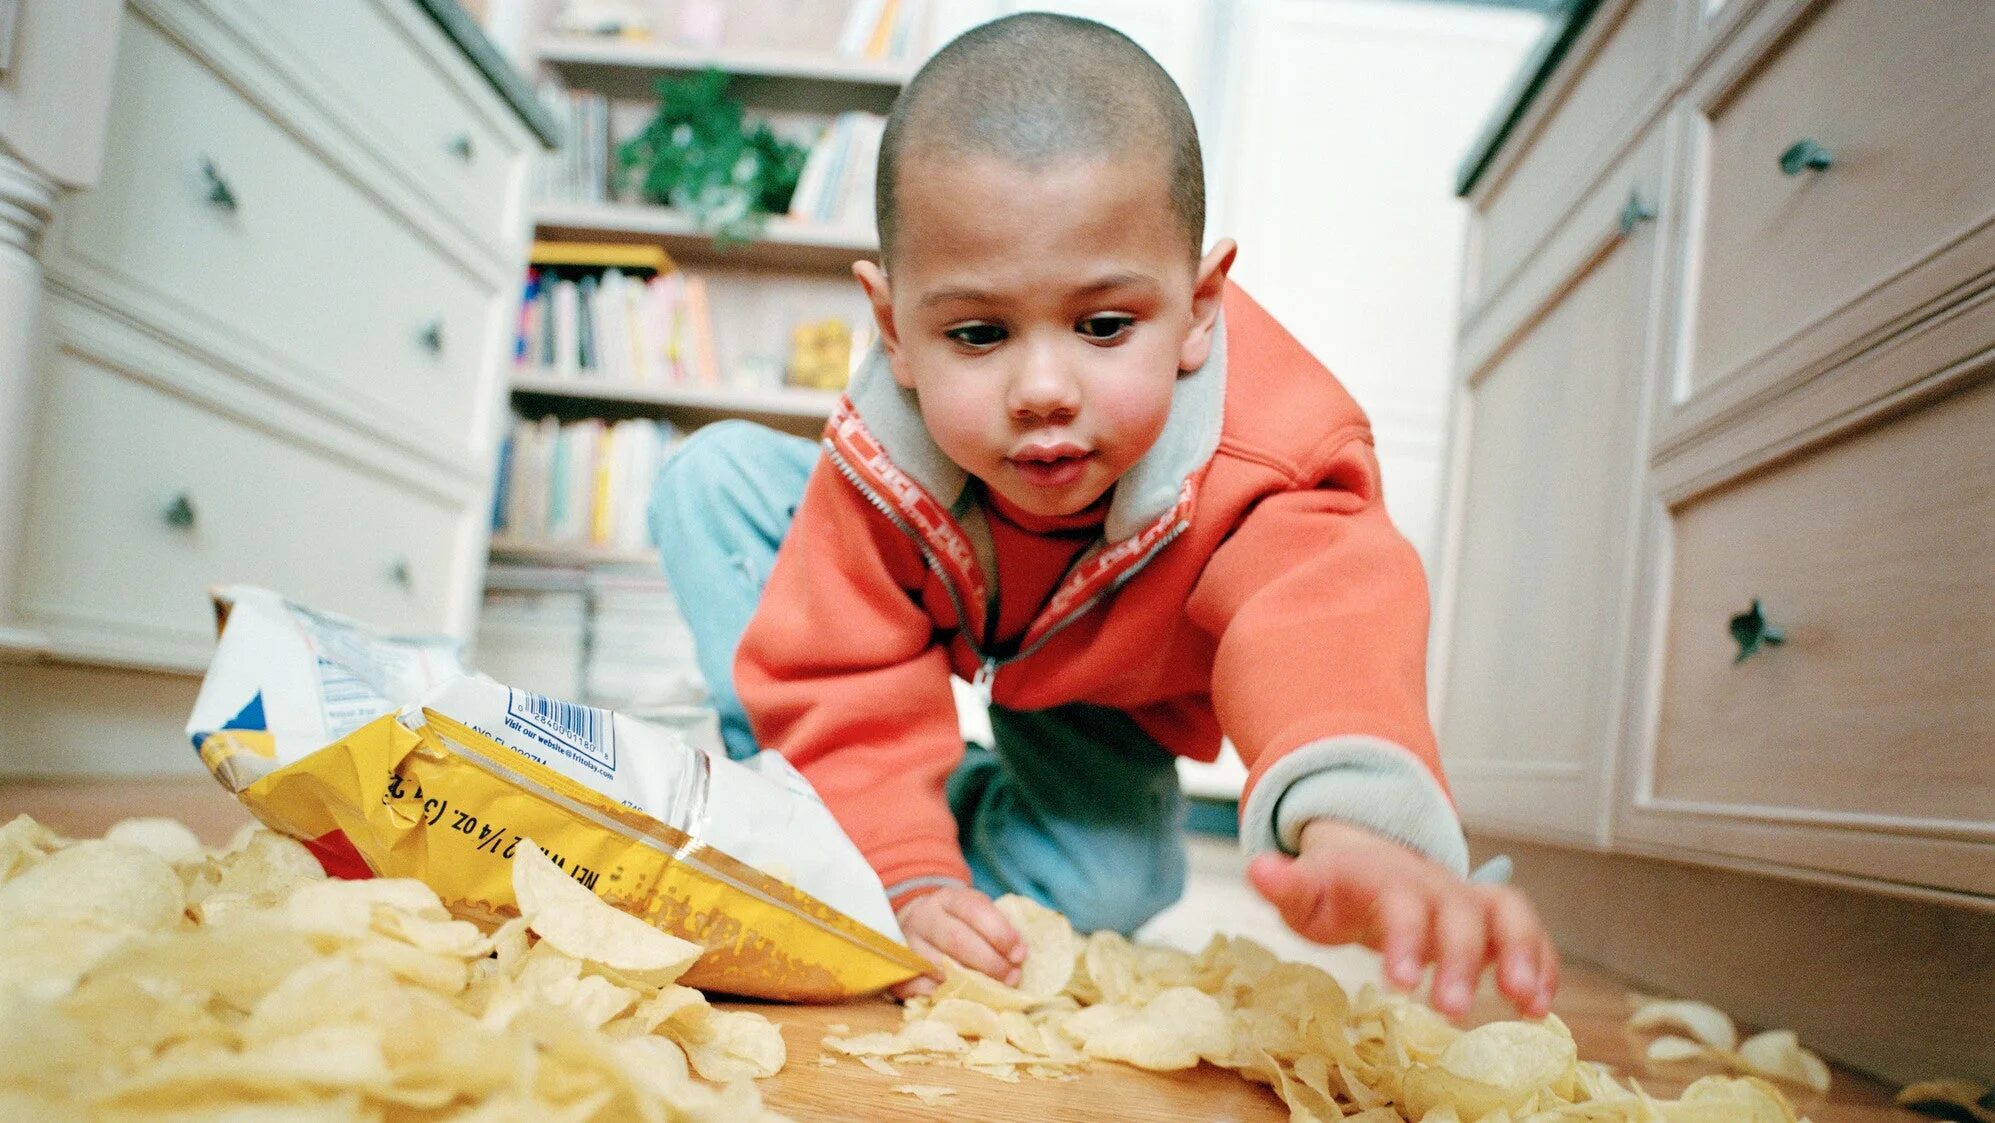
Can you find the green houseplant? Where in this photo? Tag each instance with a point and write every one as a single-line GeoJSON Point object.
{"type": "Point", "coordinates": [699, 154]}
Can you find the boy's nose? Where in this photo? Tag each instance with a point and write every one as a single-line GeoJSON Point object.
{"type": "Point", "coordinates": [1043, 389]}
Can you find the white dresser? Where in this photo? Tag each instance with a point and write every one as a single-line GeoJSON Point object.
{"type": "Point", "coordinates": [269, 350]}
{"type": "Point", "coordinates": [1729, 341]}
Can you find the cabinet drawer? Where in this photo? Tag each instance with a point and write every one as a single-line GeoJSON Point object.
{"type": "Point", "coordinates": [388, 75]}
{"type": "Point", "coordinates": [215, 222]}
{"type": "Point", "coordinates": [1900, 100]}
{"type": "Point", "coordinates": [141, 500]}
{"type": "Point", "coordinates": [1874, 556]}
{"type": "Point", "coordinates": [1592, 119]}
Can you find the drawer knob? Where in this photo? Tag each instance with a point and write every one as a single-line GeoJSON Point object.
{"type": "Point", "coordinates": [1751, 631]}
{"type": "Point", "coordinates": [400, 572]}
{"type": "Point", "coordinates": [1634, 213]}
{"type": "Point", "coordinates": [461, 147]}
{"type": "Point", "coordinates": [1804, 156]}
{"type": "Point", "coordinates": [179, 513]}
{"type": "Point", "coordinates": [220, 194]}
{"type": "Point", "coordinates": [431, 337]}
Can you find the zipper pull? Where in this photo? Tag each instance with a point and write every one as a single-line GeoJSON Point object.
{"type": "Point", "coordinates": [986, 671]}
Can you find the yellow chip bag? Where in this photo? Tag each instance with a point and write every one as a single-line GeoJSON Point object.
{"type": "Point", "coordinates": [386, 758]}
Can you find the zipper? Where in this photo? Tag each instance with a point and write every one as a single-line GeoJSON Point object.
{"type": "Point", "coordinates": [986, 674]}
{"type": "Point", "coordinates": [987, 666]}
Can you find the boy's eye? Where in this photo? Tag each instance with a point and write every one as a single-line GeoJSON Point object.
{"type": "Point", "coordinates": [1105, 327]}
{"type": "Point", "coordinates": [977, 335]}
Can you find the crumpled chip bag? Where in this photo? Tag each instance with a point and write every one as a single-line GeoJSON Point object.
{"type": "Point", "coordinates": [385, 757]}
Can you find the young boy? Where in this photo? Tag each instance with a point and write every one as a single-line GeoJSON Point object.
{"type": "Point", "coordinates": [1086, 473]}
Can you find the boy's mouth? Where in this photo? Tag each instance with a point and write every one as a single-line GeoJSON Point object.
{"type": "Point", "coordinates": [1054, 465]}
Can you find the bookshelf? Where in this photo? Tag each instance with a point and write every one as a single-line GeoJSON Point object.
{"type": "Point", "coordinates": [615, 63]}
{"type": "Point", "coordinates": [687, 406]}
{"type": "Point", "coordinates": [579, 585]}
{"type": "Point", "coordinates": [559, 555]}
{"type": "Point", "coordinates": [786, 244]}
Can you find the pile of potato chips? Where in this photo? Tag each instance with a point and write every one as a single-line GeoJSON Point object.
{"type": "Point", "coordinates": [1377, 1058]}
{"type": "Point", "coordinates": [145, 977]}
{"type": "Point", "coordinates": [1712, 1037]}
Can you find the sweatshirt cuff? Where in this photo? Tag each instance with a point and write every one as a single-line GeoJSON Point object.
{"type": "Point", "coordinates": [900, 893]}
{"type": "Point", "coordinates": [1368, 782]}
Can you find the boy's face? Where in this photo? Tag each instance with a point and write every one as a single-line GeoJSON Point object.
{"type": "Point", "coordinates": [1042, 317]}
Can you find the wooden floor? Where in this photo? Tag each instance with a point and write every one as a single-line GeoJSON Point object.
{"type": "Point", "coordinates": [1592, 1002]}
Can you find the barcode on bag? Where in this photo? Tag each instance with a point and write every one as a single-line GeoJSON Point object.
{"type": "Point", "coordinates": [584, 728]}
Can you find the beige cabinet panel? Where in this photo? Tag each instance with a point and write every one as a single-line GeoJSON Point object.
{"type": "Point", "coordinates": [1537, 580]}
{"type": "Point", "coordinates": [140, 501]}
{"type": "Point", "coordinates": [377, 64]}
{"type": "Point", "coordinates": [1900, 100]}
{"type": "Point", "coordinates": [217, 221]}
{"type": "Point", "coordinates": [1875, 557]}
{"type": "Point", "coordinates": [1629, 70]}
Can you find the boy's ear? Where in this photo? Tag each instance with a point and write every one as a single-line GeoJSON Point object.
{"type": "Point", "coordinates": [879, 294]}
{"type": "Point", "coordinates": [1207, 292]}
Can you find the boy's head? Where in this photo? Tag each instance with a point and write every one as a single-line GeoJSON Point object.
{"type": "Point", "coordinates": [1041, 208]}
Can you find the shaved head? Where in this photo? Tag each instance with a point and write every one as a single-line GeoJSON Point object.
{"type": "Point", "coordinates": [1036, 89]}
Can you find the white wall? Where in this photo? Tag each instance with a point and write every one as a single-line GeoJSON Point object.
{"type": "Point", "coordinates": [1343, 127]}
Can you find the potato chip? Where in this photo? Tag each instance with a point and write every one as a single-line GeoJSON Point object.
{"type": "Point", "coordinates": [1052, 947]}
{"type": "Point", "coordinates": [1950, 1099]}
{"type": "Point", "coordinates": [968, 1019]}
{"type": "Point", "coordinates": [1669, 1048]}
{"type": "Point", "coordinates": [565, 913]}
{"type": "Point", "coordinates": [880, 1066]}
{"type": "Point", "coordinates": [23, 842]}
{"type": "Point", "coordinates": [1778, 1053]}
{"type": "Point", "coordinates": [934, 1095]}
{"type": "Point", "coordinates": [1702, 1021]}
{"type": "Point", "coordinates": [1171, 1031]}
{"type": "Point", "coordinates": [107, 884]}
{"type": "Point", "coordinates": [959, 981]}
{"type": "Point", "coordinates": [285, 996]}
{"type": "Point", "coordinates": [168, 838]}
{"type": "Point", "coordinates": [727, 1045]}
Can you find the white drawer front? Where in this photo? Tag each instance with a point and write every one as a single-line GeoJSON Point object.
{"type": "Point", "coordinates": [390, 79]}
{"type": "Point", "coordinates": [141, 500]}
{"type": "Point", "coordinates": [212, 219]}
{"type": "Point", "coordinates": [1900, 101]}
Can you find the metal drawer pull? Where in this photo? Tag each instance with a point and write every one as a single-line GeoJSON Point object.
{"type": "Point", "coordinates": [1751, 631]}
{"type": "Point", "coordinates": [431, 337]}
{"type": "Point", "coordinates": [179, 513]}
{"type": "Point", "coordinates": [1635, 212]}
{"type": "Point", "coordinates": [462, 148]}
{"type": "Point", "coordinates": [219, 192]}
{"type": "Point", "coordinates": [401, 574]}
{"type": "Point", "coordinates": [1804, 156]}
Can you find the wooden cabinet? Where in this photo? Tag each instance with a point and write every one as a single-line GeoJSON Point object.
{"type": "Point", "coordinates": [1541, 541]}
{"type": "Point", "coordinates": [267, 349]}
{"type": "Point", "coordinates": [1805, 427]}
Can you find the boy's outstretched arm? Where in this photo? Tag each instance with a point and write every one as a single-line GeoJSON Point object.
{"type": "Point", "coordinates": [1348, 885]}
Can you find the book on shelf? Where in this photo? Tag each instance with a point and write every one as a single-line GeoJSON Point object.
{"type": "Point", "coordinates": [880, 29]}
{"type": "Point", "coordinates": [582, 484]}
{"type": "Point", "coordinates": [578, 171]}
{"type": "Point", "coordinates": [835, 187]}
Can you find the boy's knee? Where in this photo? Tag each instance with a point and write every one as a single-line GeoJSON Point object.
{"type": "Point", "coordinates": [709, 469]}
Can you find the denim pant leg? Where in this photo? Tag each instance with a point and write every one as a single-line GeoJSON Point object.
{"type": "Point", "coordinates": [1078, 809]}
{"type": "Point", "coordinates": [719, 509]}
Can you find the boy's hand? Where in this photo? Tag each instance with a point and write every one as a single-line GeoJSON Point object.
{"type": "Point", "coordinates": [963, 924]}
{"type": "Point", "coordinates": [1350, 885]}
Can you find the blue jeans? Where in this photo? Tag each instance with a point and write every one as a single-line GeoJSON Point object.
{"type": "Point", "coordinates": [1075, 806]}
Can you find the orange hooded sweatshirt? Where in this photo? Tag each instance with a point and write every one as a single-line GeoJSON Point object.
{"type": "Point", "coordinates": [1247, 582]}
